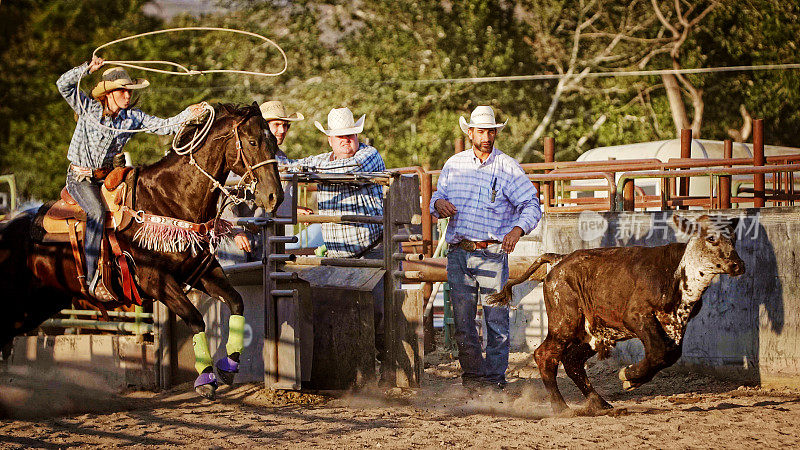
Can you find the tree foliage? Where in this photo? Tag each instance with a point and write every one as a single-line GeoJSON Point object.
{"type": "Point", "coordinates": [375, 57]}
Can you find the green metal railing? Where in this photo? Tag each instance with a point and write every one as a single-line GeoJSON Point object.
{"type": "Point", "coordinates": [448, 322]}
{"type": "Point", "coordinates": [137, 327]}
{"type": "Point", "coordinates": [12, 193]}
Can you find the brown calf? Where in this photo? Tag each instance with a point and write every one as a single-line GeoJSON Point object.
{"type": "Point", "coordinates": [598, 297]}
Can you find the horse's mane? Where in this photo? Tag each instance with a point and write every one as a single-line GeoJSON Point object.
{"type": "Point", "coordinates": [222, 111]}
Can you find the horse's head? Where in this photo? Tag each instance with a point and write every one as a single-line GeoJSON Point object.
{"type": "Point", "coordinates": [251, 155]}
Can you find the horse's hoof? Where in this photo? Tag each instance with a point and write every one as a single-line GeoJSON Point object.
{"type": "Point", "coordinates": [227, 370]}
{"type": "Point", "coordinates": [208, 391]}
{"type": "Point", "coordinates": [622, 375]}
{"type": "Point", "coordinates": [206, 385]}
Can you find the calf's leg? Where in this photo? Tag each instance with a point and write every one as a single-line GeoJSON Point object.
{"type": "Point", "coordinates": [574, 360]}
{"type": "Point", "coordinates": [659, 352]}
{"type": "Point", "coordinates": [547, 356]}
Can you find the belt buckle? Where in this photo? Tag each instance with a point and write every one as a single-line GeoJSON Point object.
{"type": "Point", "coordinates": [468, 245]}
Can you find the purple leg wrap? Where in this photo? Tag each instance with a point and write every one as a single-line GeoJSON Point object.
{"type": "Point", "coordinates": [206, 378]}
{"type": "Point", "coordinates": [228, 365]}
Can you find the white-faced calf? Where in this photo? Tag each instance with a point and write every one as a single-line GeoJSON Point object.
{"type": "Point", "coordinates": [598, 297]}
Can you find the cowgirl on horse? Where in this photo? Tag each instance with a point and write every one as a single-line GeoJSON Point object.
{"type": "Point", "coordinates": [99, 135]}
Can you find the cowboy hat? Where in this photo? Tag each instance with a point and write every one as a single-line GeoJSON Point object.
{"type": "Point", "coordinates": [274, 110]}
{"type": "Point", "coordinates": [481, 117]}
{"type": "Point", "coordinates": [341, 123]}
{"type": "Point", "coordinates": [117, 78]}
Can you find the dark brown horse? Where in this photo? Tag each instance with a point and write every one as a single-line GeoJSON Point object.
{"type": "Point", "coordinates": [38, 280]}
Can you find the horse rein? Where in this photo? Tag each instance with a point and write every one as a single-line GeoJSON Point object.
{"type": "Point", "coordinates": [199, 137]}
{"type": "Point", "coordinates": [240, 155]}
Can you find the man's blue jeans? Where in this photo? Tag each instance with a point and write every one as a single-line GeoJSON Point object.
{"type": "Point", "coordinates": [87, 194]}
{"type": "Point", "coordinates": [473, 276]}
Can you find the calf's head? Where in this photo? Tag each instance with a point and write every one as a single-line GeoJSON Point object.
{"type": "Point", "coordinates": [712, 245]}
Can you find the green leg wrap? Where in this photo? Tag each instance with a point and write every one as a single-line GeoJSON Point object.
{"type": "Point", "coordinates": [202, 357]}
{"type": "Point", "coordinates": [235, 335]}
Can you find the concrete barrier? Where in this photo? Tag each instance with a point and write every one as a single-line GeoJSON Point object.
{"type": "Point", "coordinates": [748, 327]}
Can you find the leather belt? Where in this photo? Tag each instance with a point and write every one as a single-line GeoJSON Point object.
{"type": "Point", "coordinates": [97, 174]}
{"type": "Point", "coordinates": [472, 246]}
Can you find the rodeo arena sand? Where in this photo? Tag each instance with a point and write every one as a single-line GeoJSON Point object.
{"type": "Point", "coordinates": [678, 409]}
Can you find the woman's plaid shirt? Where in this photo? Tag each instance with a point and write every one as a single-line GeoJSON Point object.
{"type": "Point", "coordinates": [93, 146]}
{"type": "Point", "coordinates": [491, 197]}
{"type": "Point", "coordinates": [347, 240]}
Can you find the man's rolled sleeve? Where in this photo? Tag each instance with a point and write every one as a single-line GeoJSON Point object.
{"type": "Point", "coordinates": [525, 199]}
{"type": "Point", "coordinates": [441, 191]}
{"type": "Point", "coordinates": [366, 159]}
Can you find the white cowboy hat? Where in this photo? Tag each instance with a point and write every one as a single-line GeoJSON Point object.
{"type": "Point", "coordinates": [341, 123]}
{"type": "Point", "coordinates": [274, 110]}
{"type": "Point", "coordinates": [117, 78]}
{"type": "Point", "coordinates": [481, 117]}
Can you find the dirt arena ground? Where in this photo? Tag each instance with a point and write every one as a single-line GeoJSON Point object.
{"type": "Point", "coordinates": [676, 410]}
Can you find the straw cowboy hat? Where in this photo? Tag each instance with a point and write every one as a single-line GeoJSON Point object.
{"type": "Point", "coordinates": [274, 110]}
{"type": "Point", "coordinates": [481, 117]}
{"type": "Point", "coordinates": [341, 123]}
{"type": "Point", "coordinates": [117, 78]}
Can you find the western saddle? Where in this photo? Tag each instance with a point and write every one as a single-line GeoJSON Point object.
{"type": "Point", "coordinates": [65, 221]}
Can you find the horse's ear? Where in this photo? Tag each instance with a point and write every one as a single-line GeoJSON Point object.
{"type": "Point", "coordinates": [256, 108]}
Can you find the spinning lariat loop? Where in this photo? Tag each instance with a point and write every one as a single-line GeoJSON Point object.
{"type": "Point", "coordinates": [186, 71]}
{"type": "Point", "coordinates": [142, 65]}
{"type": "Point", "coordinates": [202, 132]}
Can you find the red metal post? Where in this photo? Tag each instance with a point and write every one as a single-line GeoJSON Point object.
{"type": "Point", "coordinates": [686, 153]}
{"type": "Point", "coordinates": [759, 199]}
{"type": "Point", "coordinates": [628, 192]}
{"type": "Point", "coordinates": [426, 186]}
{"type": "Point", "coordinates": [549, 156]}
{"type": "Point", "coordinates": [725, 180]}
{"type": "Point", "coordinates": [459, 147]}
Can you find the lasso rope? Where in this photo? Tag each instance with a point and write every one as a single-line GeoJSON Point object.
{"type": "Point", "coordinates": [200, 134]}
{"type": "Point", "coordinates": [185, 71]}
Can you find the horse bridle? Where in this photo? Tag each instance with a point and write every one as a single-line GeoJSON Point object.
{"type": "Point", "coordinates": [211, 227]}
{"type": "Point", "coordinates": [241, 155]}
{"type": "Point", "coordinates": [199, 137]}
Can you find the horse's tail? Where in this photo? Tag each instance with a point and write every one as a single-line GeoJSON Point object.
{"type": "Point", "coordinates": [14, 221]}
{"type": "Point", "coordinates": [503, 297]}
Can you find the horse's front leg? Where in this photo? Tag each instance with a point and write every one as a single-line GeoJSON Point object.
{"type": "Point", "coordinates": [216, 285]}
{"type": "Point", "coordinates": [169, 292]}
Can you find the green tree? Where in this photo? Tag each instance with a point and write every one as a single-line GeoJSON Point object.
{"type": "Point", "coordinates": [48, 38]}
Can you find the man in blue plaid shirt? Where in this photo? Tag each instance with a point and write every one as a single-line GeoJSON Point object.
{"type": "Point", "coordinates": [491, 203]}
{"type": "Point", "coordinates": [350, 240]}
{"type": "Point", "coordinates": [347, 240]}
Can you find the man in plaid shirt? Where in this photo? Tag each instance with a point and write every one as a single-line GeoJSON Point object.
{"type": "Point", "coordinates": [491, 203]}
{"type": "Point", "coordinates": [347, 240]}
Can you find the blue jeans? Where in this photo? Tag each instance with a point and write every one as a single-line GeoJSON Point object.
{"type": "Point", "coordinates": [473, 276]}
{"type": "Point", "coordinates": [87, 194]}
